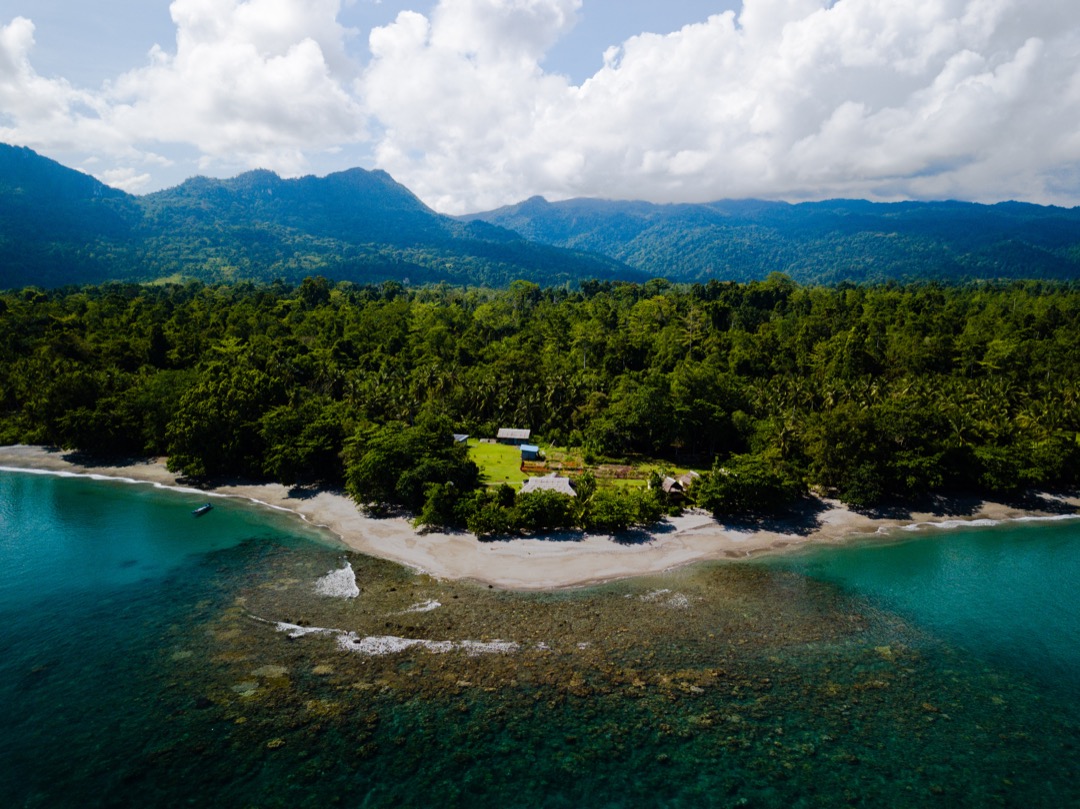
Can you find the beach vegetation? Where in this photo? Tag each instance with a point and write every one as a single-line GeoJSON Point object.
{"type": "Point", "coordinates": [748, 485]}
{"type": "Point", "coordinates": [870, 394]}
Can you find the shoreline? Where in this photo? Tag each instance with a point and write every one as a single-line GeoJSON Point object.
{"type": "Point", "coordinates": [560, 561]}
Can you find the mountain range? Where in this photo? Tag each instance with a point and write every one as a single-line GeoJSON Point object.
{"type": "Point", "coordinates": [59, 226]}
{"type": "Point", "coordinates": [812, 242]}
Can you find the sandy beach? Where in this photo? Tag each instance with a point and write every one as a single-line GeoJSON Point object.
{"type": "Point", "coordinates": [566, 560]}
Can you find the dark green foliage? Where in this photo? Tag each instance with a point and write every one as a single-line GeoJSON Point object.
{"type": "Point", "coordinates": [216, 429]}
{"type": "Point", "coordinates": [866, 393]}
{"type": "Point", "coordinates": [490, 512]}
{"type": "Point", "coordinates": [812, 242]}
{"type": "Point", "coordinates": [396, 464]}
{"type": "Point", "coordinates": [616, 509]}
{"type": "Point", "coordinates": [59, 226]}
{"type": "Point", "coordinates": [747, 485]}
{"type": "Point", "coordinates": [543, 511]}
{"type": "Point", "coordinates": [304, 441]}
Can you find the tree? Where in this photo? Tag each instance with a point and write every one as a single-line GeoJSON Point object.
{"type": "Point", "coordinates": [303, 441]}
{"type": "Point", "coordinates": [216, 428]}
{"type": "Point", "coordinates": [616, 509]}
{"type": "Point", "coordinates": [543, 510]}
{"type": "Point", "coordinates": [393, 465]}
{"type": "Point", "coordinates": [745, 485]}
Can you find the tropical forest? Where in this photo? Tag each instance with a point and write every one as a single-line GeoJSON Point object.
{"type": "Point", "coordinates": [769, 390]}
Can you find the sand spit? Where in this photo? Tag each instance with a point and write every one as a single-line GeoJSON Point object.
{"type": "Point", "coordinates": [561, 561]}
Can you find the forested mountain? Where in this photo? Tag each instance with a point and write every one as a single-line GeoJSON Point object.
{"type": "Point", "coordinates": [59, 226]}
{"type": "Point", "coordinates": [812, 242]}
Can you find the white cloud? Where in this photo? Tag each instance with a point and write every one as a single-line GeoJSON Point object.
{"type": "Point", "coordinates": [790, 98]}
{"type": "Point", "coordinates": [126, 179]}
{"type": "Point", "coordinates": [254, 83]}
{"type": "Point", "coordinates": [248, 83]}
{"type": "Point", "coordinates": [34, 109]}
{"type": "Point", "coordinates": [795, 99]}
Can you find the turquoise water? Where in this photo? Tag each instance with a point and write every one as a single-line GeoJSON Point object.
{"type": "Point", "coordinates": [64, 538]}
{"type": "Point", "coordinates": [1009, 593]}
{"type": "Point", "coordinates": [142, 663]}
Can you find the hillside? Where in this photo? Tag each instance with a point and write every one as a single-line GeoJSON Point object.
{"type": "Point", "coordinates": [59, 226]}
{"type": "Point", "coordinates": [814, 242]}
{"type": "Point", "coordinates": [54, 220]}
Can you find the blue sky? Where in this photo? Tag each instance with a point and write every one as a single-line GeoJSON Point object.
{"type": "Point", "coordinates": [89, 42]}
{"type": "Point", "coordinates": [478, 103]}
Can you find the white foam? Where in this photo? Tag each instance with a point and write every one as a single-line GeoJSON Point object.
{"type": "Point", "coordinates": [944, 525]}
{"type": "Point", "coordinates": [653, 595]}
{"type": "Point", "coordinates": [339, 583]}
{"type": "Point", "coordinates": [175, 487]}
{"type": "Point", "coordinates": [668, 598]}
{"type": "Point", "coordinates": [117, 478]}
{"type": "Point", "coordinates": [379, 645]}
{"type": "Point", "coordinates": [297, 631]}
{"type": "Point", "coordinates": [424, 606]}
{"type": "Point", "coordinates": [678, 602]}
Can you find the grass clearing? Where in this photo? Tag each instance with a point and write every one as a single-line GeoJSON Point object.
{"type": "Point", "coordinates": [499, 463]}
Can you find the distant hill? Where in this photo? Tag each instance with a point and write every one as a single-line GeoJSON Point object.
{"type": "Point", "coordinates": [813, 242]}
{"type": "Point", "coordinates": [54, 219]}
{"type": "Point", "coordinates": [59, 226]}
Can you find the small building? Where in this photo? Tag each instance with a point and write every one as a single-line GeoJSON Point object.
{"type": "Point", "coordinates": [508, 435]}
{"type": "Point", "coordinates": [530, 452]}
{"type": "Point", "coordinates": [676, 488]}
{"type": "Point", "coordinates": [550, 483]}
{"type": "Point", "coordinates": [461, 438]}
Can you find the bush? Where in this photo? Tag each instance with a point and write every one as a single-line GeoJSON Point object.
{"type": "Point", "coordinates": [747, 484]}
{"type": "Point", "coordinates": [614, 509]}
{"type": "Point", "coordinates": [543, 511]}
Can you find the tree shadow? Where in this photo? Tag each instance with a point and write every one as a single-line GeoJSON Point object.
{"type": "Point", "coordinates": [89, 460]}
{"type": "Point", "coordinates": [562, 535]}
{"type": "Point", "coordinates": [1049, 502]}
{"type": "Point", "coordinates": [802, 518]}
{"type": "Point", "coordinates": [639, 536]}
{"type": "Point", "coordinates": [302, 491]}
{"type": "Point", "coordinates": [953, 504]}
{"type": "Point", "coordinates": [939, 505]}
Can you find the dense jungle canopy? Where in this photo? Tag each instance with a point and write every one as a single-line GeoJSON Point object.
{"type": "Point", "coordinates": [869, 393]}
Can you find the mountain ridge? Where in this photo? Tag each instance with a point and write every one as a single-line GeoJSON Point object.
{"type": "Point", "coordinates": [830, 241]}
{"type": "Point", "coordinates": [59, 226]}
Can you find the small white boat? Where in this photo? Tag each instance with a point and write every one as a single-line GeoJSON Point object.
{"type": "Point", "coordinates": [201, 510]}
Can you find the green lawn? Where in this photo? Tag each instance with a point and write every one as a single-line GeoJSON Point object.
{"type": "Point", "coordinates": [499, 463]}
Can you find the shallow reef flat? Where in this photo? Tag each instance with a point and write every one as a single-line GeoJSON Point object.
{"type": "Point", "coordinates": [720, 685]}
{"type": "Point", "coordinates": [227, 661]}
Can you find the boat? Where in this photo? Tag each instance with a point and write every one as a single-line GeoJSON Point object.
{"type": "Point", "coordinates": [201, 510]}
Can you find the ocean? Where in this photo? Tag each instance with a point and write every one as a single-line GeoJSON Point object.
{"type": "Point", "coordinates": [243, 658]}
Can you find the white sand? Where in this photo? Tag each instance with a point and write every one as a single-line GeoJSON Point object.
{"type": "Point", "coordinates": [540, 563]}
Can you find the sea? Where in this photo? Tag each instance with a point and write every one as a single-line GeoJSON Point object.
{"type": "Point", "coordinates": [245, 659]}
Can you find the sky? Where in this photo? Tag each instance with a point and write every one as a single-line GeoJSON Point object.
{"type": "Point", "coordinates": [474, 104]}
